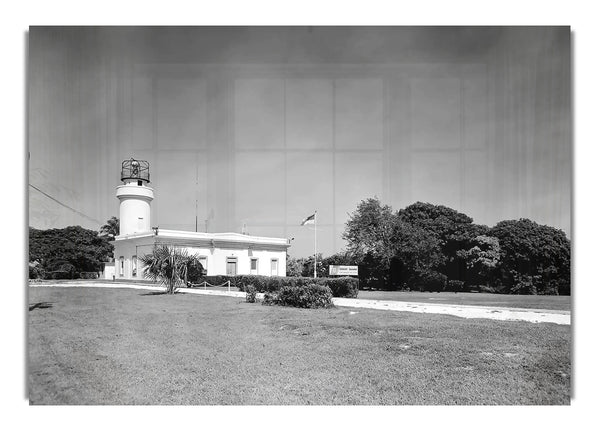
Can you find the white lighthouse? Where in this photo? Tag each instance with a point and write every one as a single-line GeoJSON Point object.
{"type": "Point", "coordinates": [135, 197]}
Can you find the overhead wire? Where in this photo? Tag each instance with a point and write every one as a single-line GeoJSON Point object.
{"type": "Point", "coordinates": [65, 205]}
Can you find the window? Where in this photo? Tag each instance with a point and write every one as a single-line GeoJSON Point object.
{"type": "Point", "coordinates": [121, 266]}
{"type": "Point", "coordinates": [274, 266]}
{"type": "Point", "coordinates": [231, 266]}
{"type": "Point", "coordinates": [204, 261]}
{"type": "Point", "coordinates": [134, 266]}
{"type": "Point", "coordinates": [254, 266]}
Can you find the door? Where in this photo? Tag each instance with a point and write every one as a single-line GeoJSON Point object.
{"type": "Point", "coordinates": [274, 266]}
{"type": "Point", "coordinates": [204, 262]}
{"type": "Point", "coordinates": [134, 266]}
{"type": "Point", "coordinates": [231, 266]}
{"type": "Point", "coordinates": [254, 266]}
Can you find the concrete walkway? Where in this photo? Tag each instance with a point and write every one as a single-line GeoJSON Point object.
{"type": "Point", "coordinates": [559, 317]}
{"type": "Point", "coordinates": [467, 311]}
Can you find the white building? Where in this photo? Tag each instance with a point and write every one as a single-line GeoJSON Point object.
{"type": "Point", "coordinates": [220, 253]}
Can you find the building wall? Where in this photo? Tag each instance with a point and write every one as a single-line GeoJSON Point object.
{"type": "Point", "coordinates": [109, 271]}
{"type": "Point", "coordinates": [217, 258]}
{"type": "Point", "coordinates": [127, 249]}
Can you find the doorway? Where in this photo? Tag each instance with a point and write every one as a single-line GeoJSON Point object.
{"type": "Point", "coordinates": [231, 268]}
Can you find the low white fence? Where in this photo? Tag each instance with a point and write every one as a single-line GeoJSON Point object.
{"type": "Point", "coordinates": [204, 284]}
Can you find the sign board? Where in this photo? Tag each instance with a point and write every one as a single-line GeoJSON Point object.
{"type": "Point", "coordinates": [343, 269]}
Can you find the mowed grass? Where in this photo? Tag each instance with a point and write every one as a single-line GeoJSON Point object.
{"type": "Point", "coordinates": [92, 345]}
{"type": "Point", "coordinates": [467, 298]}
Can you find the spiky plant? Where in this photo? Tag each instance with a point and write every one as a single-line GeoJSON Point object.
{"type": "Point", "coordinates": [168, 265]}
{"type": "Point", "coordinates": [111, 228]}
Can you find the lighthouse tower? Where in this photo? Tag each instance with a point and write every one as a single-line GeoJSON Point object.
{"type": "Point", "coordinates": [134, 196]}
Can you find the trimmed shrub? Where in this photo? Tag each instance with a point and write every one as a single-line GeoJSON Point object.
{"type": "Point", "coordinates": [250, 293]}
{"type": "Point", "coordinates": [269, 298]}
{"type": "Point", "coordinates": [342, 287]}
{"type": "Point", "coordinates": [88, 275]}
{"type": "Point", "coordinates": [309, 296]}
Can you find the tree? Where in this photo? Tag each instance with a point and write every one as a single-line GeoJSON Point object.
{"type": "Point", "coordinates": [341, 258]}
{"type": "Point", "coordinates": [534, 258]}
{"type": "Point", "coordinates": [369, 228]}
{"type": "Point", "coordinates": [294, 266]}
{"type": "Point", "coordinates": [369, 232]}
{"type": "Point", "coordinates": [71, 250]}
{"type": "Point", "coordinates": [439, 220]}
{"type": "Point", "coordinates": [308, 266]}
{"type": "Point", "coordinates": [417, 257]}
{"type": "Point", "coordinates": [482, 259]}
{"type": "Point", "coordinates": [390, 250]}
{"type": "Point", "coordinates": [111, 228]}
{"type": "Point", "coordinates": [168, 265]}
{"type": "Point", "coordinates": [454, 230]}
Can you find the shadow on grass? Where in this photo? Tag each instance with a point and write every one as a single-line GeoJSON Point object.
{"type": "Point", "coordinates": [40, 305]}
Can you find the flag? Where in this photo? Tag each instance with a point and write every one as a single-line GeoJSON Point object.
{"type": "Point", "coordinates": [308, 220]}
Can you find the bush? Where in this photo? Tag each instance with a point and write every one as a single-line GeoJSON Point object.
{"type": "Point", "coordinates": [525, 284]}
{"type": "Point", "coordinates": [88, 275]}
{"type": "Point", "coordinates": [269, 298]}
{"type": "Point", "coordinates": [64, 271]}
{"type": "Point", "coordinates": [431, 281]}
{"type": "Point", "coordinates": [309, 296]}
{"type": "Point", "coordinates": [342, 287]}
{"type": "Point", "coordinates": [36, 272]}
{"type": "Point", "coordinates": [493, 289]}
{"type": "Point", "coordinates": [250, 293]}
{"type": "Point", "coordinates": [456, 286]}
{"type": "Point", "coordinates": [60, 275]}
{"type": "Point", "coordinates": [195, 271]}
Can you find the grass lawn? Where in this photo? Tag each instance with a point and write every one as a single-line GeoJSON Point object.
{"type": "Point", "coordinates": [486, 299]}
{"type": "Point", "coordinates": [92, 345]}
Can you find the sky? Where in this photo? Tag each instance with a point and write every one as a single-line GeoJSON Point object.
{"type": "Point", "coordinates": [261, 126]}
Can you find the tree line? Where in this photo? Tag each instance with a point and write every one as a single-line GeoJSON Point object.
{"type": "Point", "coordinates": [435, 248]}
{"type": "Point", "coordinates": [421, 247]}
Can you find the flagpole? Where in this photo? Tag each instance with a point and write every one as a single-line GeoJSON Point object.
{"type": "Point", "coordinates": [315, 272]}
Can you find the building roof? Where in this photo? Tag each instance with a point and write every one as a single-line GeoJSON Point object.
{"type": "Point", "coordinates": [204, 239]}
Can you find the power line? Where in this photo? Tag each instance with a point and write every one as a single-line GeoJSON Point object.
{"type": "Point", "coordinates": [65, 205]}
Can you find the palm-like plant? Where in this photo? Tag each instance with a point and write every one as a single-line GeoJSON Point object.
{"type": "Point", "coordinates": [168, 265]}
{"type": "Point", "coordinates": [110, 228]}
